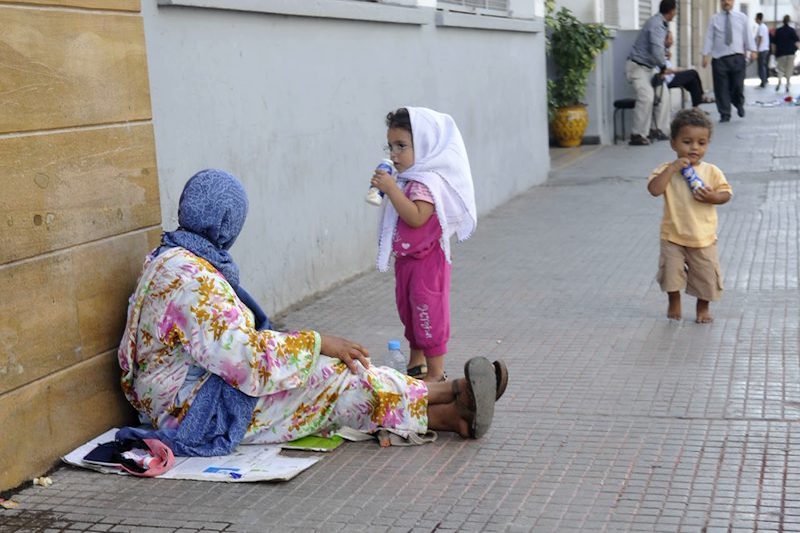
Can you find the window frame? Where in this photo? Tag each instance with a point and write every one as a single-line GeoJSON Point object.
{"type": "Point", "coordinates": [412, 12]}
{"type": "Point", "coordinates": [392, 11]}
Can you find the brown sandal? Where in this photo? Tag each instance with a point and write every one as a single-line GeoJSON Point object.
{"type": "Point", "coordinates": [482, 388]}
{"type": "Point", "coordinates": [501, 377]}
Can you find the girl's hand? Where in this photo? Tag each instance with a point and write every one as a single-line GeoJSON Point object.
{"type": "Point", "coordinates": [344, 350]}
{"type": "Point", "coordinates": [382, 180]}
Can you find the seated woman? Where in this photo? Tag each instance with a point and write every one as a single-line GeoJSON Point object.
{"type": "Point", "coordinates": [191, 325]}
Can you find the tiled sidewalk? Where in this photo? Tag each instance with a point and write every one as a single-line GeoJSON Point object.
{"type": "Point", "coordinates": [615, 419]}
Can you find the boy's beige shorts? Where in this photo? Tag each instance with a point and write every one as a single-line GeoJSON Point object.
{"type": "Point", "coordinates": [695, 269]}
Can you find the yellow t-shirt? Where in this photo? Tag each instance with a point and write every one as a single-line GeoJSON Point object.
{"type": "Point", "coordinates": [686, 221]}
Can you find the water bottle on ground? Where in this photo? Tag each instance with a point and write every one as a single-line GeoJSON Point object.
{"type": "Point", "coordinates": [692, 178]}
{"type": "Point", "coordinates": [395, 358]}
{"type": "Point", "coordinates": [374, 195]}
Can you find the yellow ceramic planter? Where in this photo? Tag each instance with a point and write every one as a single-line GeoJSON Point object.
{"type": "Point", "coordinates": [569, 125]}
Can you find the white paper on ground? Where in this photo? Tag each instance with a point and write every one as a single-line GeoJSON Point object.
{"type": "Point", "coordinates": [256, 462]}
{"type": "Point", "coordinates": [354, 435]}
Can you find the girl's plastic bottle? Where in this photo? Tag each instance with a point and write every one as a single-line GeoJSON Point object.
{"type": "Point", "coordinates": [395, 358]}
{"type": "Point", "coordinates": [374, 195]}
{"type": "Point", "coordinates": [692, 178]}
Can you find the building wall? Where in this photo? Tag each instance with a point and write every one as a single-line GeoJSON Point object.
{"type": "Point", "coordinates": [293, 103]}
{"type": "Point", "coordinates": [602, 83]}
{"type": "Point", "coordinates": [79, 208]}
{"type": "Point", "coordinates": [600, 92]}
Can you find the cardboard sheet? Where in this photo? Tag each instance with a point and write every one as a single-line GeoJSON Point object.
{"type": "Point", "coordinates": [248, 463]}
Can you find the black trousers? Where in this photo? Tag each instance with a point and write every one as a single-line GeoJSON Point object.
{"type": "Point", "coordinates": [763, 61]}
{"type": "Point", "coordinates": [728, 74]}
{"type": "Point", "coordinates": [689, 80]}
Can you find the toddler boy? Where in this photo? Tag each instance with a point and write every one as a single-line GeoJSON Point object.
{"type": "Point", "coordinates": [689, 259]}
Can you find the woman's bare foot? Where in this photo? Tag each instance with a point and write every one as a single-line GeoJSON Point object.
{"type": "Point", "coordinates": [471, 410]}
{"type": "Point", "coordinates": [674, 308]}
{"type": "Point", "coordinates": [703, 312]}
{"type": "Point", "coordinates": [456, 411]}
{"type": "Point", "coordinates": [449, 417]}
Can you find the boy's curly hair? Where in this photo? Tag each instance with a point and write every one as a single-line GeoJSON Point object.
{"type": "Point", "coordinates": [399, 119]}
{"type": "Point", "coordinates": [690, 117]}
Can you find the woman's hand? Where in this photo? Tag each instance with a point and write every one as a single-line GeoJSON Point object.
{"type": "Point", "coordinates": [344, 350]}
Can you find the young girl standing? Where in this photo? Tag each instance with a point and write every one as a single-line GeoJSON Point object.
{"type": "Point", "coordinates": [432, 198]}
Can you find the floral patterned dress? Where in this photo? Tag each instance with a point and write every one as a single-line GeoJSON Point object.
{"type": "Point", "coordinates": [185, 323]}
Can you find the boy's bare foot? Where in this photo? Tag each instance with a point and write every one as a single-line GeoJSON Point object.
{"type": "Point", "coordinates": [674, 308]}
{"type": "Point", "coordinates": [703, 312]}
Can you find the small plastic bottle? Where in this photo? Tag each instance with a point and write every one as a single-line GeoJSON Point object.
{"type": "Point", "coordinates": [375, 195]}
{"type": "Point", "coordinates": [692, 178]}
{"type": "Point", "coordinates": [394, 357]}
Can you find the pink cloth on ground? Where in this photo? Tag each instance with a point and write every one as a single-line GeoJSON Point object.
{"type": "Point", "coordinates": [159, 461]}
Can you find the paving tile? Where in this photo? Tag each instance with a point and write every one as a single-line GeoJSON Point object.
{"type": "Point", "coordinates": [615, 418]}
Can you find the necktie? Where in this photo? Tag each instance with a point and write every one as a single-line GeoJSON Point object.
{"type": "Point", "coordinates": [728, 29]}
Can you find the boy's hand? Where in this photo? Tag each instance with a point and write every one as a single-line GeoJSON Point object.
{"type": "Point", "coordinates": [681, 163]}
{"type": "Point", "coordinates": [705, 195]}
{"type": "Point", "coordinates": [382, 180]}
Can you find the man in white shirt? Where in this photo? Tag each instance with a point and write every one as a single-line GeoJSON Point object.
{"type": "Point", "coordinates": [762, 46]}
{"type": "Point", "coordinates": [728, 40]}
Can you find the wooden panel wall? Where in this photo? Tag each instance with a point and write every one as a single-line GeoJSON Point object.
{"type": "Point", "coordinates": [109, 5]}
{"type": "Point", "coordinates": [79, 209]}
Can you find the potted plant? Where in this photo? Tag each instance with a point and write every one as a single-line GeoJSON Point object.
{"type": "Point", "coordinates": [573, 46]}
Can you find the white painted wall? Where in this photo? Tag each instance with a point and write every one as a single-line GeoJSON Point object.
{"type": "Point", "coordinates": [585, 10]}
{"type": "Point", "coordinates": [600, 89]}
{"type": "Point", "coordinates": [775, 12]}
{"type": "Point", "coordinates": [628, 14]}
{"type": "Point", "coordinates": [295, 107]}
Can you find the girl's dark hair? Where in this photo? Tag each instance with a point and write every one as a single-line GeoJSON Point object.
{"type": "Point", "coordinates": [690, 117]}
{"type": "Point", "coordinates": [399, 119]}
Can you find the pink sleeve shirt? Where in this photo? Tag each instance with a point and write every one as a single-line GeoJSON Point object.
{"type": "Point", "coordinates": [418, 191]}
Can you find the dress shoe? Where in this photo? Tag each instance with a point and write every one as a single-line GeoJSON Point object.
{"type": "Point", "coordinates": [725, 118]}
{"type": "Point", "coordinates": [658, 135]}
{"type": "Point", "coordinates": [638, 140]}
{"type": "Point", "coordinates": [740, 111]}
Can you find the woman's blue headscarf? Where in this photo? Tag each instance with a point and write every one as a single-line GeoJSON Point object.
{"type": "Point", "coordinates": [211, 213]}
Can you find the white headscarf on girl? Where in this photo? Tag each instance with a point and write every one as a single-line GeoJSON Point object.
{"type": "Point", "coordinates": [441, 164]}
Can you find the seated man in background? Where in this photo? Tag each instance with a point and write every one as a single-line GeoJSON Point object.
{"type": "Point", "coordinates": [683, 78]}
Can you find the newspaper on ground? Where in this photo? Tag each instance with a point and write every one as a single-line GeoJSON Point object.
{"type": "Point", "coordinates": [248, 463]}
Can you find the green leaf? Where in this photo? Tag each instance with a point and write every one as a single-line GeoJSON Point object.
{"type": "Point", "coordinates": [573, 46]}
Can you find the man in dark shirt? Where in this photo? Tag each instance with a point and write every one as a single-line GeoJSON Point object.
{"type": "Point", "coordinates": [785, 43]}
